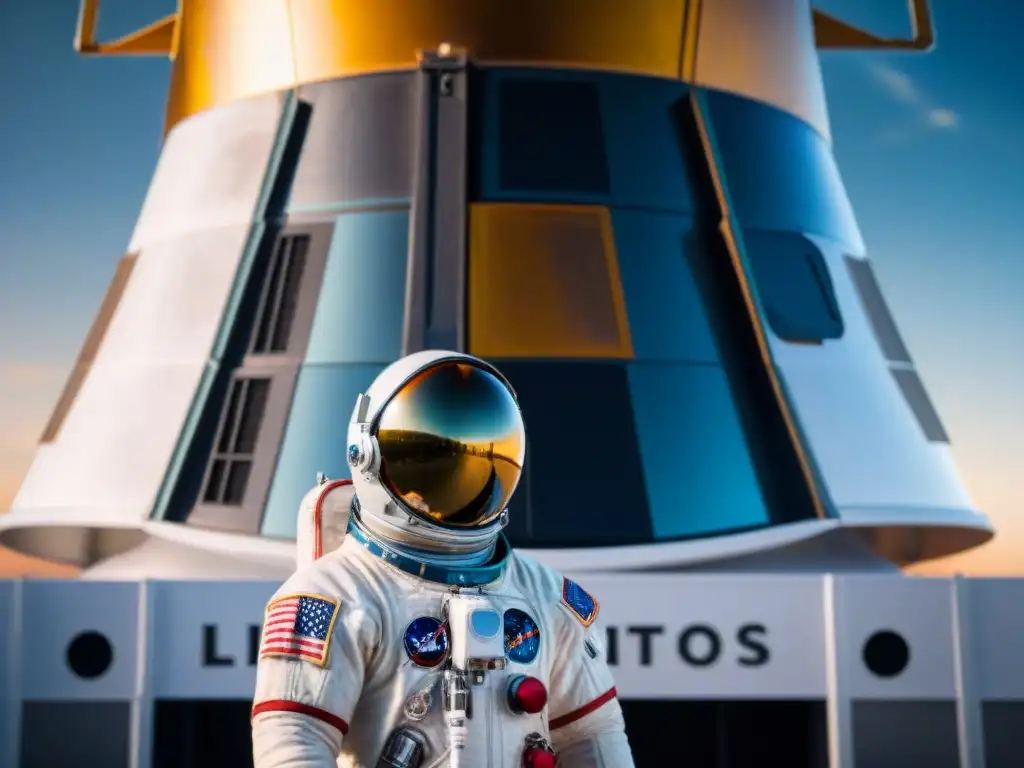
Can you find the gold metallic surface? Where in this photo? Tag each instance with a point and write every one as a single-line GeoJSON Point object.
{"type": "Point", "coordinates": [544, 283]}
{"type": "Point", "coordinates": [225, 50]}
{"type": "Point", "coordinates": [452, 445]}
{"type": "Point", "coordinates": [233, 49]}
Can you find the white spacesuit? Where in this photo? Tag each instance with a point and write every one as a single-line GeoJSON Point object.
{"type": "Point", "coordinates": [423, 640]}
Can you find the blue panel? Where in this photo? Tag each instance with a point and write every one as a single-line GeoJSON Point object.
{"type": "Point", "coordinates": [315, 439]}
{"type": "Point", "coordinates": [646, 164]}
{"type": "Point", "coordinates": [667, 319]}
{"type": "Point", "coordinates": [362, 301]}
{"type": "Point", "coordinates": [781, 174]}
{"type": "Point", "coordinates": [794, 286]}
{"type": "Point", "coordinates": [698, 472]}
{"type": "Point", "coordinates": [580, 137]}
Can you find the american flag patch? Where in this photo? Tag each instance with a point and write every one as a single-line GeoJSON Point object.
{"type": "Point", "coordinates": [299, 627]}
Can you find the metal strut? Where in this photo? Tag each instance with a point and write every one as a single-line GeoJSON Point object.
{"type": "Point", "coordinates": [157, 39]}
{"type": "Point", "coordinates": [831, 33]}
{"type": "Point", "coordinates": [436, 278]}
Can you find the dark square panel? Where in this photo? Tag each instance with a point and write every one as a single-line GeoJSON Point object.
{"type": "Point", "coordinates": [905, 734]}
{"type": "Point", "coordinates": [583, 484]}
{"type": "Point", "coordinates": [1003, 724]}
{"type": "Point", "coordinates": [92, 734]}
{"type": "Point", "coordinates": [202, 734]}
{"type": "Point", "coordinates": [727, 734]}
{"type": "Point", "coordinates": [551, 138]}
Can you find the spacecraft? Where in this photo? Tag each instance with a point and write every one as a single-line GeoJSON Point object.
{"type": "Point", "coordinates": [633, 209]}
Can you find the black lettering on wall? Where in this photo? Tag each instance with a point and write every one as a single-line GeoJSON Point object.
{"type": "Point", "coordinates": [750, 638]}
{"type": "Point", "coordinates": [254, 644]}
{"type": "Point", "coordinates": [646, 633]}
{"type": "Point", "coordinates": [700, 645]}
{"type": "Point", "coordinates": [211, 655]}
{"type": "Point", "coordinates": [613, 646]}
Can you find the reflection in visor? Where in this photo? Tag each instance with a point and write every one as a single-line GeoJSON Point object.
{"type": "Point", "coordinates": [452, 445]}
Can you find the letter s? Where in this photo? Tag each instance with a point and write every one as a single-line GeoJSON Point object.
{"type": "Point", "coordinates": [750, 638]}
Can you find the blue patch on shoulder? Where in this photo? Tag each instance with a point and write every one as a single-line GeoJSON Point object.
{"type": "Point", "coordinates": [582, 604]}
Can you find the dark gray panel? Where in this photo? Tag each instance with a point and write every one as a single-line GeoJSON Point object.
{"type": "Point", "coordinates": [360, 141]}
{"type": "Point", "coordinates": [83, 735]}
{"type": "Point", "coordinates": [913, 390]}
{"type": "Point", "coordinates": [905, 734]}
{"type": "Point", "coordinates": [882, 321]}
{"type": "Point", "coordinates": [1003, 726]}
{"type": "Point", "coordinates": [446, 326]}
{"type": "Point", "coordinates": [437, 250]}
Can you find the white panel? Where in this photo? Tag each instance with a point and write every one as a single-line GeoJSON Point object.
{"type": "Point", "coordinates": [769, 631]}
{"type": "Point", "coordinates": [55, 616]}
{"type": "Point", "coordinates": [193, 661]}
{"type": "Point", "coordinates": [174, 302]}
{"type": "Point", "coordinates": [210, 171]}
{"type": "Point", "coordinates": [995, 621]}
{"type": "Point", "coordinates": [920, 611]}
{"type": "Point", "coordinates": [763, 49]}
{"type": "Point", "coordinates": [157, 558]}
{"type": "Point", "coordinates": [116, 442]}
{"type": "Point", "coordinates": [865, 439]}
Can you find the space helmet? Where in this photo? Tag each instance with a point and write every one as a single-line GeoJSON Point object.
{"type": "Point", "coordinates": [436, 448]}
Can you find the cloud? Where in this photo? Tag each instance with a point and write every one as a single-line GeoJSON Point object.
{"type": "Point", "coordinates": [943, 118]}
{"type": "Point", "coordinates": [898, 84]}
{"type": "Point", "coordinates": [901, 87]}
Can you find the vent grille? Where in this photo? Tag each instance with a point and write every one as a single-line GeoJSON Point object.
{"type": "Point", "coordinates": [280, 298]}
{"type": "Point", "coordinates": [229, 471]}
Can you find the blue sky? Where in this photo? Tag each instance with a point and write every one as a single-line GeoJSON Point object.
{"type": "Point", "coordinates": [929, 148]}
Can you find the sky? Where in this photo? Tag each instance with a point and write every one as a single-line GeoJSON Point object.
{"type": "Point", "coordinates": [928, 146]}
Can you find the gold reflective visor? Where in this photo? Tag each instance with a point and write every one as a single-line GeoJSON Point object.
{"type": "Point", "coordinates": [452, 445]}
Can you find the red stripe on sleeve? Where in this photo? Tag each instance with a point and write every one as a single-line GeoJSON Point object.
{"type": "Point", "coordinates": [586, 709]}
{"type": "Point", "coordinates": [281, 705]}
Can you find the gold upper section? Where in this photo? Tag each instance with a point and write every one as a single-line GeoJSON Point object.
{"type": "Point", "coordinates": [224, 50]}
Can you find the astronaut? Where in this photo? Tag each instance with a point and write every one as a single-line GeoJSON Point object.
{"type": "Point", "coordinates": [422, 639]}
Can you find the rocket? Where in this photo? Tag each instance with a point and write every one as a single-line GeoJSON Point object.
{"type": "Point", "coordinates": [631, 208]}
